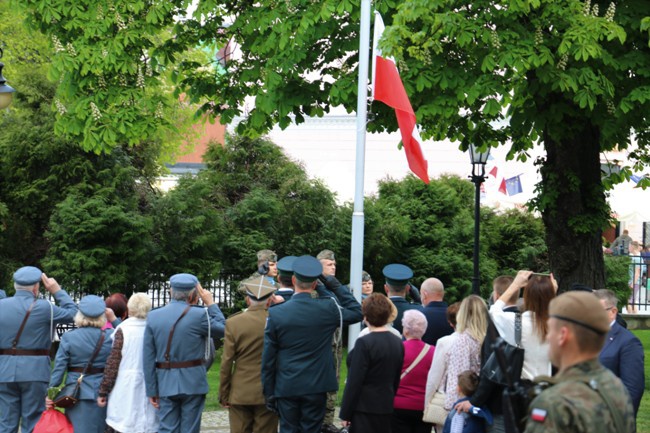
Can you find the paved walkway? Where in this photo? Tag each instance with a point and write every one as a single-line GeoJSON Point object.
{"type": "Point", "coordinates": [215, 421]}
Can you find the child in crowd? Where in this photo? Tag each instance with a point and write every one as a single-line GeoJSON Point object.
{"type": "Point", "coordinates": [473, 421]}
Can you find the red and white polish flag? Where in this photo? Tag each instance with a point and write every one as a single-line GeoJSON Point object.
{"type": "Point", "coordinates": [388, 88]}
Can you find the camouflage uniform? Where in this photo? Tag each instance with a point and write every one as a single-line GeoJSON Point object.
{"type": "Point", "coordinates": [575, 404]}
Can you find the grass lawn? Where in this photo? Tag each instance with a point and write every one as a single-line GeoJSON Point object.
{"type": "Point", "coordinates": [643, 417]}
{"type": "Point", "coordinates": [212, 400]}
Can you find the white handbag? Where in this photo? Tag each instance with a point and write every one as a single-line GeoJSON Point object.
{"type": "Point", "coordinates": [435, 411]}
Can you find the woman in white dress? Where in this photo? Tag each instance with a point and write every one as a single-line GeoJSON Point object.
{"type": "Point", "coordinates": [123, 388]}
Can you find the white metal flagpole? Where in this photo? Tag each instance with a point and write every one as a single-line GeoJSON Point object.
{"type": "Point", "coordinates": [356, 249]}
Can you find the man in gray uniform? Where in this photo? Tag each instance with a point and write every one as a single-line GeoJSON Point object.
{"type": "Point", "coordinates": [176, 345]}
{"type": "Point", "coordinates": [26, 325]}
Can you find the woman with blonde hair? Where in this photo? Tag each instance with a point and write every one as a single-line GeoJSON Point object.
{"type": "Point", "coordinates": [123, 385]}
{"type": "Point", "coordinates": [465, 353]}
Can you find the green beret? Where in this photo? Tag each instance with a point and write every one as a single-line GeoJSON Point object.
{"type": "Point", "coordinates": [581, 308]}
{"type": "Point", "coordinates": [267, 255]}
{"type": "Point", "coordinates": [326, 255]}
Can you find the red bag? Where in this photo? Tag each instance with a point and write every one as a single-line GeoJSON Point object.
{"type": "Point", "coordinates": [53, 421]}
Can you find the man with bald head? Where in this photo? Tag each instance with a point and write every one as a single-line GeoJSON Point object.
{"type": "Point", "coordinates": [432, 293]}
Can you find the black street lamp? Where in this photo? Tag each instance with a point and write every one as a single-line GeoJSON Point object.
{"type": "Point", "coordinates": [479, 159]}
{"type": "Point", "coordinates": [6, 91]}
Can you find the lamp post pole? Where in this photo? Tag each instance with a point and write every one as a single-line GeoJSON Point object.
{"type": "Point", "coordinates": [478, 159]}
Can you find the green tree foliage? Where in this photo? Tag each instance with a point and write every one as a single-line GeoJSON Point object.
{"type": "Point", "coordinates": [573, 75]}
{"type": "Point", "coordinates": [617, 272]}
{"type": "Point", "coordinates": [250, 197]}
{"type": "Point", "coordinates": [431, 228]}
{"type": "Point", "coordinates": [188, 231]}
{"type": "Point", "coordinates": [112, 85]}
{"type": "Point", "coordinates": [515, 239]}
{"type": "Point", "coordinates": [99, 241]}
{"type": "Point", "coordinates": [91, 204]}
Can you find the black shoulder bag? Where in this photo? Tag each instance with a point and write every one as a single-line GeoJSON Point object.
{"type": "Point", "coordinates": [68, 395]}
{"type": "Point", "coordinates": [514, 356]}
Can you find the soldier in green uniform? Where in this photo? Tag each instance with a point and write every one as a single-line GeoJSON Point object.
{"type": "Point", "coordinates": [240, 387]}
{"type": "Point", "coordinates": [328, 261]}
{"type": "Point", "coordinates": [267, 264]}
{"type": "Point", "coordinates": [585, 397]}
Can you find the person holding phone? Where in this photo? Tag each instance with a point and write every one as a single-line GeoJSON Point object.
{"type": "Point", "coordinates": [539, 290]}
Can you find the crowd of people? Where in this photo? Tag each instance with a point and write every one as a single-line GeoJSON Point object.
{"type": "Point", "coordinates": [130, 369]}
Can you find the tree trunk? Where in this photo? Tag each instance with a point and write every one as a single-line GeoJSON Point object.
{"type": "Point", "coordinates": [573, 206]}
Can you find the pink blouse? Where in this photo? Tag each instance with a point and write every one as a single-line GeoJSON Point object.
{"type": "Point", "coordinates": [410, 394]}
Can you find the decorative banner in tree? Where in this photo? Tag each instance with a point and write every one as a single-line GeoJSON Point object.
{"type": "Point", "coordinates": [388, 88]}
{"type": "Point", "coordinates": [513, 185]}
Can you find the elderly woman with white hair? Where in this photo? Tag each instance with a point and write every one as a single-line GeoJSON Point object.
{"type": "Point", "coordinates": [123, 385]}
{"type": "Point", "coordinates": [409, 400]}
{"type": "Point", "coordinates": [83, 353]}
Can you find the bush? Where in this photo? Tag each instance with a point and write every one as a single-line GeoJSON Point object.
{"type": "Point", "coordinates": [617, 277]}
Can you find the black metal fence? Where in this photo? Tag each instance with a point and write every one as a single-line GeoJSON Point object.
{"type": "Point", "coordinates": [224, 293]}
{"type": "Point", "coordinates": [639, 285]}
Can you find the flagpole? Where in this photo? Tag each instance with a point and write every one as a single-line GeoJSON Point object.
{"type": "Point", "coordinates": [356, 249]}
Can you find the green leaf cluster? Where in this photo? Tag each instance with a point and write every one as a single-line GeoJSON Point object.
{"type": "Point", "coordinates": [250, 197]}
{"type": "Point", "coordinates": [431, 228]}
{"type": "Point", "coordinates": [112, 84]}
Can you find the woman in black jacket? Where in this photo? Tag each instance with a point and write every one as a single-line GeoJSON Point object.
{"type": "Point", "coordinates": [374, 368]}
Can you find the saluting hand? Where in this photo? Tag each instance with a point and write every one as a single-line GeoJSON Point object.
{"type": "Point", "coordinates": [205, 296]}
{"type": "Point", "coordinates": [50, 284]}
{"type": "Point", "coordinates": [276, 299]}
{"type": "Point", "coordinates": [110, 315]}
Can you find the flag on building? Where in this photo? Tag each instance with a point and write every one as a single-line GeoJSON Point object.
{"type": "Point", "coordinates": [388, 88]}
{"type": "Point", "coordinates": [513, 185]}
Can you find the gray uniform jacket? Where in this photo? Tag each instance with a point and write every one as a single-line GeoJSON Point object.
{"type": "Point", "coordinates": [75, 350]}
{"type": "Point", "coordinates": [188, 344]}
{"type": "Point", "coordinates": [36, 334]}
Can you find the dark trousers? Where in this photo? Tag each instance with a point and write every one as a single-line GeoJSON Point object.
{"type": "Point", "coordinates": [302, 414]}
{"type": "Point", "coordinates": [252, 418]}
{"type": "Point", "coordinates": [363, 422]}
{"type": "Point", "coordinates": [409, 421]}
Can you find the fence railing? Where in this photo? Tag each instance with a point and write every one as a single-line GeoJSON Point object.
{"type": "Point", "coordinates": [223, 289]}
{"type": "Point", "coordinates": [639, 285]}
